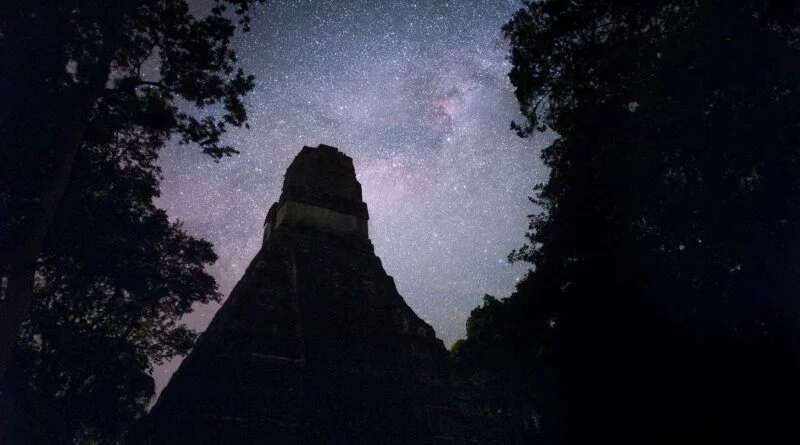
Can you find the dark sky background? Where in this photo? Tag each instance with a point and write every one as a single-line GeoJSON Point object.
{"type": "Point", "coordinates": [416, 92]}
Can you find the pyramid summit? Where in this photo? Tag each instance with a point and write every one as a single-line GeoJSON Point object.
{"type": "Point", "coordinates": [316, 346]}
{"type": "Point", "coordinates": [320, 189]}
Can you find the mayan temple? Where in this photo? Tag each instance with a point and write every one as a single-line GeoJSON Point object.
{"type": "Point", "coordinates": [316, 346]}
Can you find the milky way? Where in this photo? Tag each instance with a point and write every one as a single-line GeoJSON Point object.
{"type": "Point", "coordinates": [417, 94]}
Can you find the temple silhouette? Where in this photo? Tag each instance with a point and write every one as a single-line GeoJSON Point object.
{"type": "Point", "coordinates": [316, 346]}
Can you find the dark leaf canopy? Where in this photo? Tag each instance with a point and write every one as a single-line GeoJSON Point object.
{"type": "Point", "coordinates": [663, 302]}
{"type": "Point", "coordinates": [114, 281]}
{"type": "Point", "coordinates": [92, 91]}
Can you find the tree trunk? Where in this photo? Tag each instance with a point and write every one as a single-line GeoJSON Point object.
{"type": "Point", "coordinates": [19, 291]}
{"type": "Point", "coordinates": [66, 141]}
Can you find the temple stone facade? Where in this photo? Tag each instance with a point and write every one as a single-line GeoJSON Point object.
{"type": "Point", "coordinates": [320, 190]}
{"type": "Point", "coordinates": [316, 346]}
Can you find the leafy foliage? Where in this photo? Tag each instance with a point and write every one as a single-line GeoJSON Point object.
{"type": "Point", "coordinates": [91, 91]}
{"type": "Point", "coordinates": [133, 63]}
{"type": "Point", "coordinates": [84, 74]}
{"type": "Point", "coordinates": [662, 304]}
{"type": "Point", "coordinates": [114, 280]}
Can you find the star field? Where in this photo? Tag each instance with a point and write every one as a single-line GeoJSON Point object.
{"type": "Point", "coordinates": [417, 94]}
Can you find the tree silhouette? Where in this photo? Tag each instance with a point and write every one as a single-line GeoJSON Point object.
{"type": "Point", "coordinates": [83, 73]}
{"type": "Point", "coordinates": [114, 279]}
{"type": "Point", "coordinates": [663, 301]}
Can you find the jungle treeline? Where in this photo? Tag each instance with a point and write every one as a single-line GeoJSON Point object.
{"type": "Point", "coordinates": [662, 301]}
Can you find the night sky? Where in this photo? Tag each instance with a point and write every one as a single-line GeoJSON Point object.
{"type": "Point", "coordinates": [417, 94]}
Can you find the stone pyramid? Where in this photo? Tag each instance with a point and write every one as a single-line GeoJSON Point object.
{"type": "Point", "coordinates": [316, 346]}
